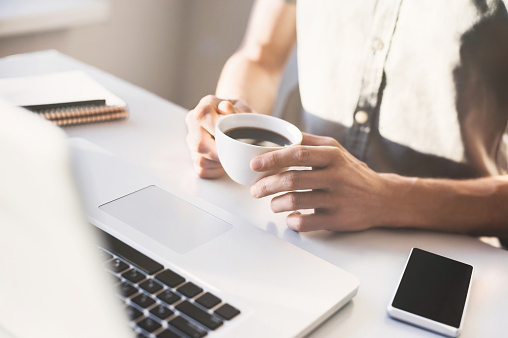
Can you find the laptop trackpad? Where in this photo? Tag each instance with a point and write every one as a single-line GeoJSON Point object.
{"type": "Point", "coordinates": [166, 218]}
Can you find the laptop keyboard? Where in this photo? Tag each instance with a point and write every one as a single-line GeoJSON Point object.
{"type": "Point", "coordinates": [160, 302]}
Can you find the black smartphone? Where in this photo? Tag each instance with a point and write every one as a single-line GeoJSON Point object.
{"type": "Point", "coordinates": [433, 293]}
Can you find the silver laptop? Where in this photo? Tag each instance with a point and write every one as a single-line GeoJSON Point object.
{"type": "Point", "coordinates": [179, 266]}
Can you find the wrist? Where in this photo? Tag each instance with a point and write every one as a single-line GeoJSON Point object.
{"type": "Point", "coordinates": [399, 208]}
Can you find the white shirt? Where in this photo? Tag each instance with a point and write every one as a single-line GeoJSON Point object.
{"type": "Point", "coordinates": [419, 88]}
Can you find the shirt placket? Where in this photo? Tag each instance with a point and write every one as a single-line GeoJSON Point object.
{"type": "Point", "coordinates": [385, 20]}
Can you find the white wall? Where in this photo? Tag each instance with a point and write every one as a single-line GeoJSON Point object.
{"type": "Point", "coordinates": [174, 48]}
{"type": "Point", "coordinates": [213, 31]}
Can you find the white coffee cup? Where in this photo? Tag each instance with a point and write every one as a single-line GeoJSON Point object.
{"type": "Point", "coordinates": [235, 155]}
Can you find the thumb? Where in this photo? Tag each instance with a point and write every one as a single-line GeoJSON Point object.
{"type": "Point", "coordinates": [226, 108]}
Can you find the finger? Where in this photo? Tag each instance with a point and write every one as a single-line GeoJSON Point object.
{"type": "Point", "coordinates": [289, 181]}
{"type": "Point", "coordinates": [206, 168]}
{"type": "Point", "coordinates": [294, 156]}
{"type": "Point", "coordinates": [314, 140]}
{"type": "Point", "coordinates": [199, 121]}
{"type": "Point", "coordinates": [226, 108]}
{"type": "Point", "coordinates": [209, 172]}
{"type": "Point", "coordinates": [206, 113]}
{"type": "Point", "coordinates": [308, 222]}
{"type": "Point", "coordinates": [207, 118]}
{"type": "Point", "coordinates": [300, 200]}
{"type": "Point", "coordinates": [205, 163]}
{"type": "Point", "coordinates": [202, 144]}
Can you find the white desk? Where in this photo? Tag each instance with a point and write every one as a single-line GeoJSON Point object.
{"type": "Point", "coordinates": [154, 136]}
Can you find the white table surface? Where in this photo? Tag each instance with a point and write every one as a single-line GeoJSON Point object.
{"type": "Point", "coordinates": [154, 136]}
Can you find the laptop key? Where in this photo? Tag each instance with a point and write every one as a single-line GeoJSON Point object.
{"type": "Point", "coordinates": [136, 258]}
{"type": "Point", "coordinates": [208, 300]}
{"type": "Point", "coordinates": [199, 315]}
{"type": "Point", "coordinates": [161, 311]}
{"type": "Point", "coordinates": [134, 275]}
{"type": "Point", "coordinates": [170, 278]}
{"type": "Point", "coordinates": [168, 297]}
{"type": "Point", "coordinates": [127, 289]}
{"type": "Point", "coordinates": [187, 327]}
{"type": "Point", "coordinates": [227, 311]}
{"type": "Point", "coordinates": [143, 300]}
{"type": "Point", "coordinates": [168, 334]}
{"type": "Point", "coordinates": [133, 313]}
{"type": "Point", "coordinates": [116, 265]}
{"type": "Point", "coordinates": [190, 289]}
{"type": "Point", "coordinates": [150, 286]}
{"type": "Point", "coordinates": [149, 325]}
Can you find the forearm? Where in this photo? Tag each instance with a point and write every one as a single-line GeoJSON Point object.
{"type": "Point", "coordinates": [250, 81]}
{"type": "Point", "coordinates": [253, 73]}
{"type": "Point", "coordinates": [476, 206]}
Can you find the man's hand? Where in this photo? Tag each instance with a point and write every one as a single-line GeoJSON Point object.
{"type": "Point", "coordinates": [345, 194]}
{"type": "Point", "coordinates": [201, 130]}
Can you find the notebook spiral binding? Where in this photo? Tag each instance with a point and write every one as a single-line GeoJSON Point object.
{"type": "Point", "coordinates": [75, 113]}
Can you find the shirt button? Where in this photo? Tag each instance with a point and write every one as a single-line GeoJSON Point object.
{"type": "Point", "coordinates": [361, 117]}
{"type": "Point", "coordinates": [377, 44]}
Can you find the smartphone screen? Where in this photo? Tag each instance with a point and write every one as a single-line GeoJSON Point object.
{"type": "Point", "coordinates": [434, 287]}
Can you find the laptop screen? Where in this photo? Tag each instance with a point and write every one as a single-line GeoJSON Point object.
{"type": "Point", "coordinates": [55, 282]}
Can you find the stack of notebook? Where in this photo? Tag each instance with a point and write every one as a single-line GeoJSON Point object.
{"type": "Point", "coordinates": [66, 98]}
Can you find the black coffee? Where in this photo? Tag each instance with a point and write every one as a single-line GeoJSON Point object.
{"type": "Point", "coordinates": [258, 137]}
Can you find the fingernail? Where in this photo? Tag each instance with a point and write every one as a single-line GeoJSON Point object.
{"type": "Point", "coordinates": [254, 191]}
{"type": "Point", "coordinates": [226, 107]}
{"type": "Point", "coordinates": [256, 163]}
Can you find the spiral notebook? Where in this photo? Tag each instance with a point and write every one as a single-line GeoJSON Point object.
{"type": "Point", "coordinates": [66, 98]}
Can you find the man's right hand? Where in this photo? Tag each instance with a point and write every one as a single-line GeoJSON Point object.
{"type": "Point", "coordinates": [201, 132]}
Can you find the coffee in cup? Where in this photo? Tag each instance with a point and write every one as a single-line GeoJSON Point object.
{"type": "Point", "coordinates": [241, 137]}
{"type": "Point", "coordinates": [258, 137]}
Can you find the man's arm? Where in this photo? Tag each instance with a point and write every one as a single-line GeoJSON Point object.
{"type": "Point", "coordinates": [346, 195]}
{"type": "Point", "coordinates": [253, 73]}
{"type": "Point", "coordinates": [475, 206]}
{"type": "Point", "coordinates": [249, 80]}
